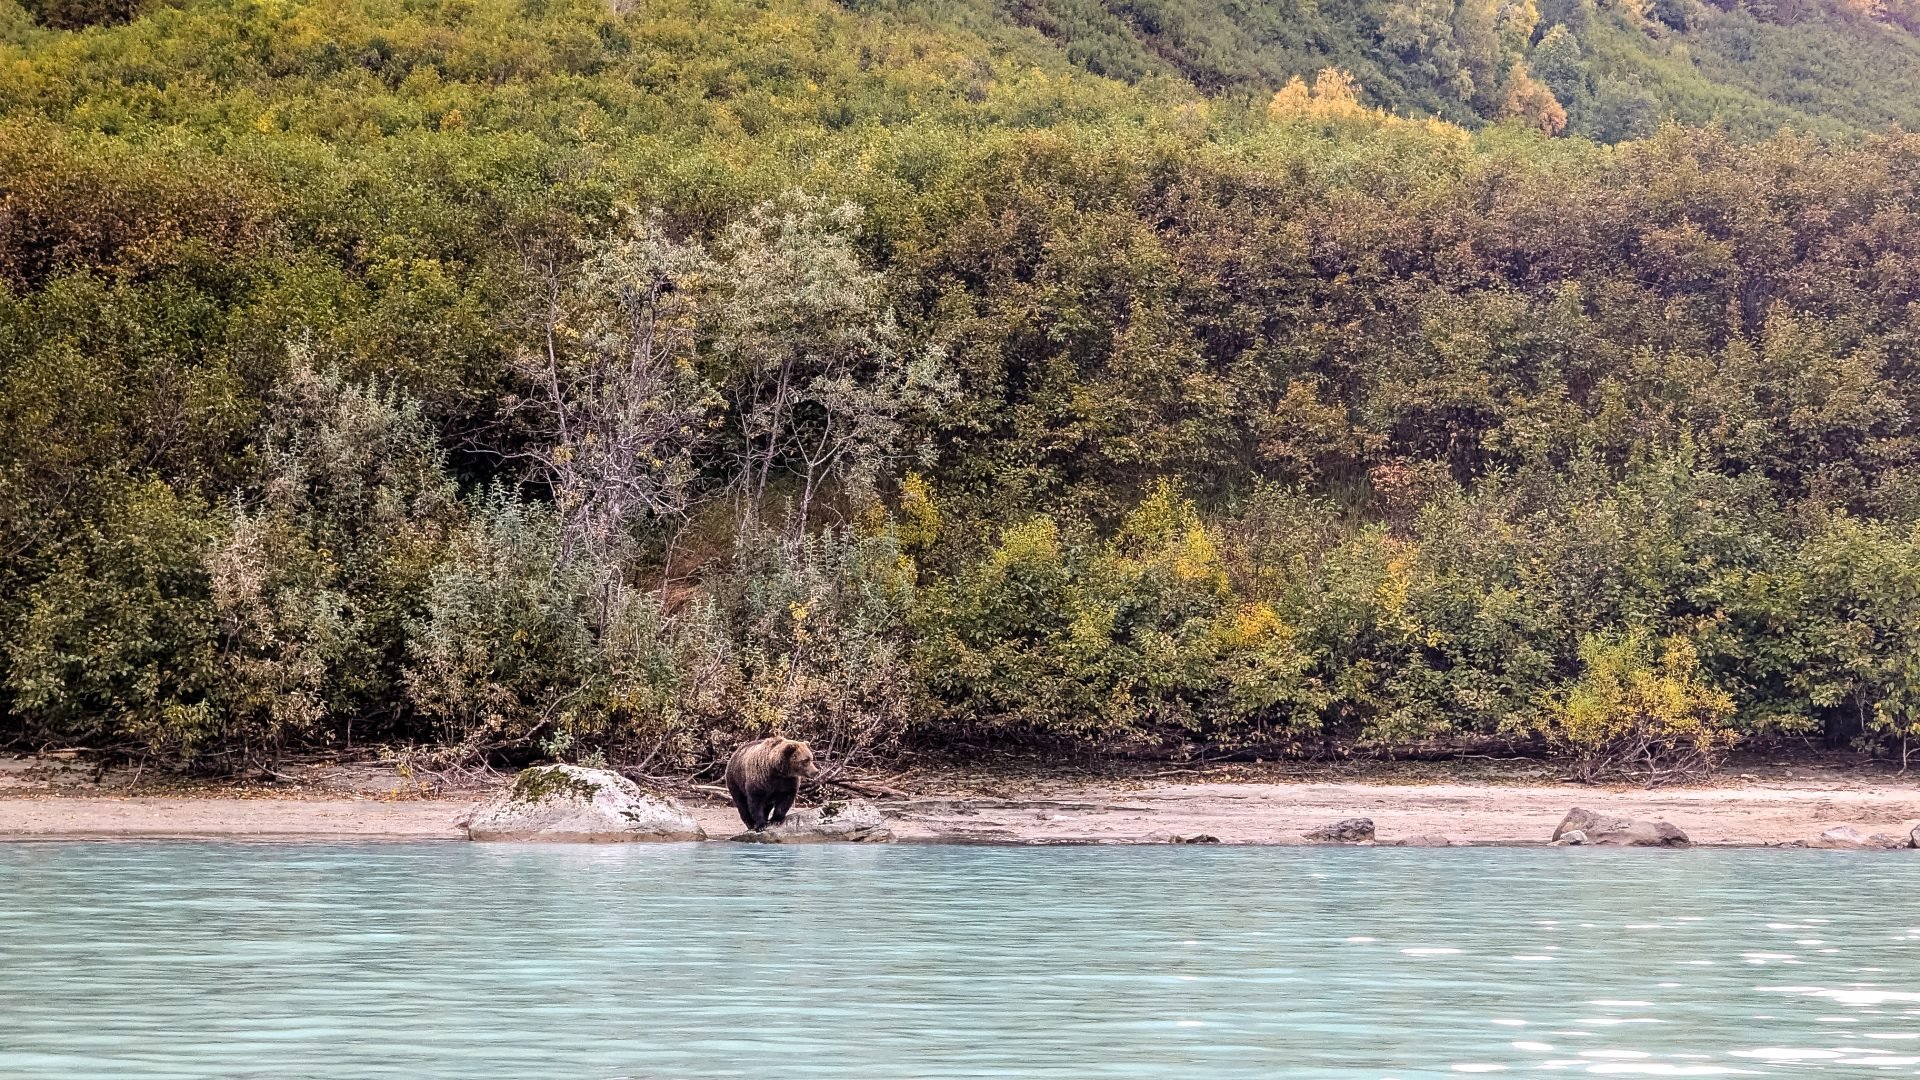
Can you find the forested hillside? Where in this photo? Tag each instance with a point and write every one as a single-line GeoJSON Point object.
{"type": "Point", "coordinates": [549, 379]}
{"type": "Point", "coordinates": [1615, 70]}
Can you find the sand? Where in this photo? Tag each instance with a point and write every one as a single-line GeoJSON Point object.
{"type": "Point", "coordinates": [1235, 813]}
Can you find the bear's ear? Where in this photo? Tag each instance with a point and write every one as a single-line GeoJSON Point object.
{"type": "Point", "coordinates": [788, 750]}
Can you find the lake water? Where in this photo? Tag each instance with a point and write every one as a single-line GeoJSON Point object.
{"type": "Point", "coordinates": [684, 961]}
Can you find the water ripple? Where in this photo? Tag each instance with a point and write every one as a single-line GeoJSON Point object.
{"type": "Point", "coordinates": [650, 963]}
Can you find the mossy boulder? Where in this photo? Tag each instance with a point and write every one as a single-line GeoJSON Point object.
{"type": "Point", "coordinates": [570, 804]}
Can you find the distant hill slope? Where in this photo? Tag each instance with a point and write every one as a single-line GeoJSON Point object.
{"type": "Point", "coordinates": [1606, 69]}
{"type": "Point", "coordinates": [1617, 69]}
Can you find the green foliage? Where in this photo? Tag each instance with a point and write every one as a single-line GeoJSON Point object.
{"type": "Point", "coordinates": [1618, 112]}
{"type": "Point", "coordinates": [1831, 630]}
{"type": "Point", "coordinates": [1641, 711]}
{"type": "Point", "coordinates": [817, 632]}
{"type": "Point", "coordinates": [521, 649]}
{"type": "Point", "coordinates": [1557, 61]}
{"type": "Point", "coordinates": [1057, 636]}
{"type": "Point", "coordinates": [1757, 66]}
{"type": "Point", "coordinates": [1676, 14]}
{"type": "Point", "coordinates": [327, 559]}
{"type": "Point", "coordinates": [1575, 15]}
{"type": "Point", "coordinates": [80, 14]}
{"type": "Point", "coordinates": [509, 649]}
{"type": "Point", "coordinates": [813, 369]}
{"type": "Point", "coordinates": [577, 379]}
{"type": "Point", "coordinates": [114, 646]}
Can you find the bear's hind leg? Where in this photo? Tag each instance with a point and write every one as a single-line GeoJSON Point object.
{"type": "Point", "coordinates": [781, 803]}
{"type": "Point", "coordinates": [743, 805]}
{"type": "Point", "coordinates": [762, 810]}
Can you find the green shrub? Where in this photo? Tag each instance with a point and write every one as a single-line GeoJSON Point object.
{"type": "Point", "coordinates": [326, 560]}
{"type": "Point", "coordinates": [817, 626]}
{"type": "Point", "coordinates": [1135, 641]}
{"type": "Point", "coordinates": [115, 646]}
{"type": "Point", "coordinates": [1642, 711]}
{"type": "Point", "coordinates": [507, 651]}
{"type": "Point", "coordinates": [80, 14]}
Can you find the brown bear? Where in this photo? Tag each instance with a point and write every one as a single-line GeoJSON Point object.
{"type": "Point", "coordinates": [763, 776]}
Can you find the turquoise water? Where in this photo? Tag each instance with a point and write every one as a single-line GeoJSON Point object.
{"type": "Point", "coordinates": [445, 960]}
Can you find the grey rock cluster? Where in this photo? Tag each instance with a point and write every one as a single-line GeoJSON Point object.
{"type": "Point", "coordinates": [1357, 830]}
{"type": "Point", "coordinates": [1582, 827]}
{"type": "Point", "coordinates": [852, 823]}
{"type": "Point", "coordinates": [1848, 838]}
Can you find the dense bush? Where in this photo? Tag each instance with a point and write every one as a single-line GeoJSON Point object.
{"type": "Point", "coordinates": [1059, 635]}
{"type": "Point", "coordinates": [1640, 711]}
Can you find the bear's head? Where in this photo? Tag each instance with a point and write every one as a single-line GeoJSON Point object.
{"type": "Point", "coordinates": [796, 758]}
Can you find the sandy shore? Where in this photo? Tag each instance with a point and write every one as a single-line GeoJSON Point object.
{"type": "Point", "coordinates": [1243, 813]}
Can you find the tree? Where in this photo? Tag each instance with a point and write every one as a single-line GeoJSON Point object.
{"type": "Point", "coordinates": [80, 14]}
{"type": "Point", "coordinates": [1575, 15]}
{"type": "Point", "coordinates": [1677, 14]}
{"type": "Point", "coordinates": [1558, 63]}
{"type": "Point", "coordinates": [113, 649]}
{"type": "Point", "coordinates": [324, 562]}
{"type": "Point", "coordinates": [1532, 103]}
{"type": "Point", "coordinates": [1619, 111]}
{"type": "Point", "coordinates": [507, 650]}
{"type": "Point", "coordinates": [1831, 632]}
{"type": "Point", "coordinates": [285, 633]}
{"type": "Point", "coordinates": [616, 405]}
{"type": "Point", "coordinates": [1335, 94]}
{"type": "Point", "coordinates": [817, 377]}
{"type": "Point", "coordinates": [1421, 33]}
{"type": "Point", "coordinates": [1515, 21]}
{"type": "Point", "coordinates": [1492, 35]}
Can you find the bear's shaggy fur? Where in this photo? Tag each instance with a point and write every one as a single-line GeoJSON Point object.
{"type": "Point", "coordinates": [764, 776]}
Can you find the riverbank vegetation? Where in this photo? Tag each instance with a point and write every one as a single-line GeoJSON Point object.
{"type": "Point", "coordinates": [530, 380]}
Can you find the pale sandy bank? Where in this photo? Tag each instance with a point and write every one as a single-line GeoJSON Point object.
{"type": "Point", "coordinates": [1246, 813]}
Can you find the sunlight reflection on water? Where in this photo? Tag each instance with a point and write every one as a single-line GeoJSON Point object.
{"type": "Point", "coordinates": [685, 961]}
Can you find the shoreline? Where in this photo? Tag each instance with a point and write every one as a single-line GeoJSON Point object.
{"type": "Point", "coordinates": [1476, 814]}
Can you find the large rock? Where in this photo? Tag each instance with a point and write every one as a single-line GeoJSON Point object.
{"type": "Point", "coordinates": [1608, 830]}
{"type": "Point", "coordinates": [1350, 831]}
{"type": "Point", "coordinates": [1848, 838]}
{"type": "Point", "coordinates": [569, 804]}
{"type": "Point", "coordinates": [836, 822]}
